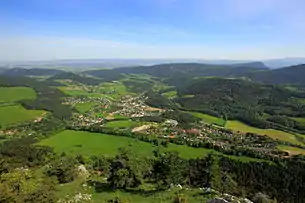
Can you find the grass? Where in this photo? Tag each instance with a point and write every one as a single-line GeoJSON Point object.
{"type": "Point", "coordinates": [145, 194]}
{"type": "Point", "coordinates": [17, 114]}
{"type": "Point", "coordinates": [193, 153]}
{"type": "Point", "coordinates": [88, 144]}
{"type": "Point", "coordinates": [112, 90]}
{"type": "Point", "coordinates": [170, 94]}
{"type": "Point", "coordinates": [84, 107]}
{"type": "Point", "coordinates": [121, 124]}
{"type": "Point", "coordinates": [11, 94]}
{"type": "Point", "coordinates": [209, 119]}
{"type": "Point", "coordinates": [291, 150]}
{"type": "Point", "coordinates": [275, 134]}
{"type": "Point", "coordinates": [300, 120]}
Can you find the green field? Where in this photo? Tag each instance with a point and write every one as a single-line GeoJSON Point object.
{"type": "Point", "coordinates": [300, 120]}
{"type": "Point", "coordinates": [84, 107]}
{"type": "Point", "coordinates": [17, 114]}
{"type": "Point", "coordinates": [209, 119]}
{"type": "Point", "coordinates": [170, 94]}
{"type": "Point", "coordinates": [291, 150]}
{"type": "Point", "coordinates": [86, 143]}
{"type": "Point", "coordinates": [275, 134]}
{"type": "Point", "coordinates": [111, 90]}
{"type": "Point", "coordinates": [121, 124]}
{"type": "Point", "coordinates": [77, 91]}
{"type": "Point", "coordinates": [11, 94]}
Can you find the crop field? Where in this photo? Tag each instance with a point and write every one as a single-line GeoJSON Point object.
{"type": "Point", "coordinates": [88, 144]}
{"type": "Point", "coordinates": [11, 94]}
{"type": "Point", "coordinates": [84, 107]}
{"type": "Point", "coordinates": [17, 114]}
{"type": "Point", "coordinates": [291, 150]}
{"type": "Point", "coordinates": [275, 134]}
{"type": "Point", "coordinates": [209, 119]}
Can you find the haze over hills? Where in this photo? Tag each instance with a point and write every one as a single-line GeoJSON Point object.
{"type": "Point", "coordinates": [115, 63]}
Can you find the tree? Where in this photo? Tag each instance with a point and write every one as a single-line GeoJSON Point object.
{"type": "Point", "coordinates": [125, 171]}
{"type": "Point", "coordinates": [101, 164]}
{"type": "Point", "coordinates": [169, 169]}
{"type": "Point", "coordinates": [22, 186]}
{"type": "Point", "coordinates": [63, 168]}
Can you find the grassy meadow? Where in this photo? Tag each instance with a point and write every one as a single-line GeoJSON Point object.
{"type": "Point", "coordinates": [111, 90]}
{"type": "Point", "coordinates": [12, 94]}
{"type": "Point", "coordinates": [300, 120]}
{"type": "Point", "coordinates": [209, 119]}
{"type": "Point", "coordinates": [170, 94]}
{"type": "Point", "coordinates": [292, 150]}
{"type": "Point", "coordinates": [17, 114]}
{"type": "Point", "coordinates": [88, 144]}
{"type": "Point", "coordinates": [84, 107]}
{"type": "Point", "coordinates": [275, 134]}
{"type": "Point", "coordinates": [121, 124]}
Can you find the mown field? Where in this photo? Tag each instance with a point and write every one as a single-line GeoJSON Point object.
{"type": "Point", "coordinates": [12, 94]}
{"type": "Point", "coordinates": [291, 150]}
{"type": "Point", "coordinates": [17, 114]}
{"type": "Point", "coordinates": [275, 134]}
{"type": "Point", "coordinates": [209, 119]}
{"type": "Point", "coordinates": [88, 144]}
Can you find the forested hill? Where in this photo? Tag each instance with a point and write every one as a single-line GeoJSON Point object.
{"type": "Point", "coordinates": [30, 72]}
{"type": "Point", "coordinates": [176, 69]}
{"type": "Point", "coordinates": [289, 75]}
{"type": "Point", "coordinates": [75, 78]}
{"type": "Point", "coordinates": [253, 103]}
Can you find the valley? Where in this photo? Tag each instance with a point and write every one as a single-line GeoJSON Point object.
{"type": "Point", "coordinates": [157, 117]}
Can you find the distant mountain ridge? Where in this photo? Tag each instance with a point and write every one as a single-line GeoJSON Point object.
{"type": "Point", "coordinates": [115, 63]}
{"type": "Point", "coordinates": [289, 75]}
{"type": "Point", "coordinates": [30, 72]}
{"type": "Point", "coordinates": [170, 70]}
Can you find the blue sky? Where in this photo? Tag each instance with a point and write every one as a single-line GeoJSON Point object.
{"type": "Point", "coordinates": [201, 29]}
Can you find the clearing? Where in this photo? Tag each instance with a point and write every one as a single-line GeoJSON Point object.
{"type": "Point", "coordinates": [17, 114]}
{"type": "Point", "coordinates": [12, 94]}
{"type": "Point", "coordinates": [275, 134]}
{"type": "Point", "coordinates": [291, 150]}
{"type": "Point", "coordinates": [209, 119]}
